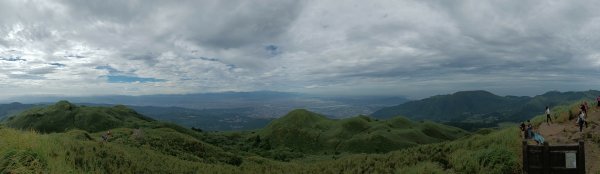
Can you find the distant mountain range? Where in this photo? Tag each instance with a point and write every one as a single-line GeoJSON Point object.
{"type": "Point", "coordinates": [14, 108]}
{"type": "Point", "coordinates": [258, 104]}
{"type": "Point", "coordinates": [481, 107]}
{"type": "Point", "coordinates": [468, 110]}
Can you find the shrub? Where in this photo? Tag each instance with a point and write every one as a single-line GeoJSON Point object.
{"type": "Point", "coordinates": [22, 161]}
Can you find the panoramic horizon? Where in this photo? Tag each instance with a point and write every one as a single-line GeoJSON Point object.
{"type": "Point", "coordinates": [308, 86]}
{"type": "Point", "coordinates": [34, 97]}
{"type": "Point", "coordinates": [415, 49]}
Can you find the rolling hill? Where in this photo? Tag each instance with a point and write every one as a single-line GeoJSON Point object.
{"type": "Point", "coordinates": [64, 116]}
{"type": "Point", "coordinates": [305, 131]}
{"type": "Point", "coordinates": [205, 119]}
{"type": "Point", "coordinates": [480, 107]}
{"type": "Point", "coordinates": [299, 142]}
{"type": "Point", "coordinates": [70, 152]}
{"type": "Point", "coordinates": [129, 129]}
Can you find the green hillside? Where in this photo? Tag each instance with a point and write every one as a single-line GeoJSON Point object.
{"type": "Point", "coordinates": [64, 116]}
{"type": "Point", "coordinates": [475, 109]}
{"type": "Point", "coordinates": [30, 152]}
{"type": "Point", "coordinates": [305, 131]}
{"type": "Point", "coordinates": [455, 106]}
{"type": "Point", "coordinates": [306, 141]}
{"type": "Point", "coordinates": [128, 128]}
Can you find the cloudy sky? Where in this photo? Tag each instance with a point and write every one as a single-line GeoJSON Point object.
{"type": "Point", "coordinates": [381, 47]}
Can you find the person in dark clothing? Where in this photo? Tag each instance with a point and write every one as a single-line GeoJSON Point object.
{"type": "Point", "coordinates": [548, 115]}
{"type": "Point", "coordinates": [522, 127]}
{"type": "Point", "coordinates": [529, 129]}
{"type": "Point", "coordinates": [583, 108]}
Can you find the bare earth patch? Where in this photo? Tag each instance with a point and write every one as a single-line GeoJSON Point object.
{"type": "Point", "coordinates": [568, 133]}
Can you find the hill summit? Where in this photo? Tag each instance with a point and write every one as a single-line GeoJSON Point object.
{"type": "Point", "coordinates": [306, 131]}
{"type": "Point", "coordinates": [64, 116]}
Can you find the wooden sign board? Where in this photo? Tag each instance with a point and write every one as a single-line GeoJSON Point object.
{"type": "Point", "coordinates": [557, 159]}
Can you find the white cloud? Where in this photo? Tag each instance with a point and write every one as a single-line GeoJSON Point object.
{"type": "Point", "coordinates": [414, 48]}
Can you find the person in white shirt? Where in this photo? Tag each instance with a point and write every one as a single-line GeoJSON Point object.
{"type": "Point", "coordinates": [581, 120]}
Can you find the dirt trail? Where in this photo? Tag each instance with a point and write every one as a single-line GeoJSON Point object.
{"type": "Point", "coordinates": [568, 133]}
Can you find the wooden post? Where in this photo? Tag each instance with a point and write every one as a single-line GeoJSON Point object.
{"type": "Point", "coordinates": [581, 158]}
{"type": "Point", "coordinates": [546, 158]}
{"type": "Point", "coordinates": [525, 160]}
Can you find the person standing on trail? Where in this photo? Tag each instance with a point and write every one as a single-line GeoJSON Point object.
{"type": "Point", "coordinates": [583, 108]}
{"type": "Point", "coordinates": [522, 126]}
{"type": "Point", "coordinates": [106, 136]}
{"type": "Point", "coordinates": [529, 129]}
{"type": "Point", "coordinates": [581, 120]}
{"type": "Point", "coordinates": [598, 102]}
{"type": "Point", "coordinates": [548, 115]}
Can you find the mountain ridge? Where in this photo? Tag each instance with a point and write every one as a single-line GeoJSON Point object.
{"type": "Point", "coordinates": [471, 106]}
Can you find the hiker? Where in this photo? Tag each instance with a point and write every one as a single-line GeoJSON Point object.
{"type": "Point", "coordinates": [106, 136]}
{"type": "Point", "coordinates": [598, 102]}
{"type": "Point", "coordinates": [548, 115]}
{"type": "Point", "coordinates": [537, 137]}
{"type": "Point", "coordinates": [581, 120]}
{"type": "Point", "coordinates": [583, 108]}
{"type": "Point", "coordinates": [529, 129]}
{"type": "Point", "coordinates": [522, 126]}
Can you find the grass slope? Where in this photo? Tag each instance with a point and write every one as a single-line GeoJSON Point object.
{"type": "Point", "coordinates": [310, 132]}
{"type": "Point", "coordinates": [64, 116]}
{"type": "Point", "coordinates": [164, 149]}
{"type": "Point", "coordinates": [129, 129]}
{"type": "Point", "coordinates": [30, 152]}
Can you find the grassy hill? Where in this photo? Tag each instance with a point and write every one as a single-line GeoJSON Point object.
{"type": "Point", "coordinates": [304, 132]}
{"type": "Point", "coordinates": [30, 152]}
{"type": "Point", "coordinates": [129, 129]}
{"type": "Point", "coordinates": [154, 147]}
{"type": "Point", "coordinates": [64, 116]}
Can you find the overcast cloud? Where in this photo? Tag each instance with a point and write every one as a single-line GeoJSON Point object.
{"type": "Point", "coordinates": [412, 48]}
